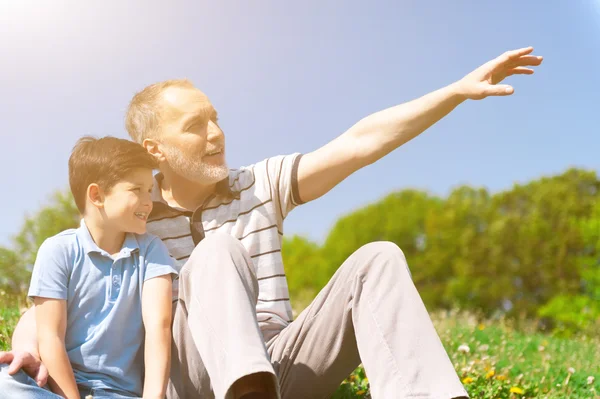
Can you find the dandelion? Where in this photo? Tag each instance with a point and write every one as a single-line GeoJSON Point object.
{"type": "Point", "coordinates": [571, 371]}
{"type": "Point", "coordinates": [590, 380]}
{"type": "Point", "coordinates": [481, 327]}
{"type": "Point", "coordinates": [464, 348]}
{"type": "Point", "coordinates": [501, 377]}
{"type": "Point", "coordinates": [361, 392]}
{"type": "Point", "coordinates": [517, 390]}
{"type": "Point", "coordinates": [467, 380]}
{"type": "Point", "coordinates": [490, 374]}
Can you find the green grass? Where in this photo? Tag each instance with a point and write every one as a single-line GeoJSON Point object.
{"type": "Point", "coordinates": [501, 357]}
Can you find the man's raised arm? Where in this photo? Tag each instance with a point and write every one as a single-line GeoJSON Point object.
{"type": "Point", "coordinates": [382, 132]}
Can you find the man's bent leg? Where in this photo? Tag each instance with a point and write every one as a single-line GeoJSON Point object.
{"type": "Point", "coordinates": [369, 311]}
{"type": "Point", "coordinates": [20, 385]}
{"type": "Point", "coordinates": [216, 338]}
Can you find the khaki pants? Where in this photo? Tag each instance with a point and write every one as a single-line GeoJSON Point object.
{"type": "Point", "coordinates": [369, 312]}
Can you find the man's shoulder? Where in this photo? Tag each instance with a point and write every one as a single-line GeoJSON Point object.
{"type": "Point", "coordinates": [247, 175]}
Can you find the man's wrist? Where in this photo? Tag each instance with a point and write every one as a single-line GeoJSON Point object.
{"type": "Point", "coordinates": [457, 91]}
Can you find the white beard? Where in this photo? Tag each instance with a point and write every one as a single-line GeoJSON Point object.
{"type": "Point", "coordinates": [194, 170]}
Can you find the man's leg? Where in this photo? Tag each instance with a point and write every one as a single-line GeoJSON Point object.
{"type": "Point", "coordinates": [218, 348]}
{"type": "Point", "coordinates": [369, 311]}
{"type": "Point", "coordinates": [21, 386]}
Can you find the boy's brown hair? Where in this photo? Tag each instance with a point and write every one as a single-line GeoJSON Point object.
{"type": "Point", "coordinates": [104, 161]}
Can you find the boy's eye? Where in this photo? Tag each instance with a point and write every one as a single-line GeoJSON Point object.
{"type": "Point", "coordinates": [136, 189]}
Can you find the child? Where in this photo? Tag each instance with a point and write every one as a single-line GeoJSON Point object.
{"type": "Point", "coordinates": [99, 290]}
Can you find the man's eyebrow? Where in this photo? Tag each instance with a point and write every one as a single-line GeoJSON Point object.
{"type": "Point", "coordinates": [203, 113]}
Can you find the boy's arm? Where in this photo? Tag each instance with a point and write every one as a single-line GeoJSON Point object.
{"type": "Point", "coordinates": [156, 314]}
{"type": "Point", "coordinates": [51, 320]}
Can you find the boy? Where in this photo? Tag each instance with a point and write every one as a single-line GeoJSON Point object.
{"type": "Point", "coordinates": [97, 287]}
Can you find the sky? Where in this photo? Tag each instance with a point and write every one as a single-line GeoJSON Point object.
{"type": "Point", "coordinates": [290, 77]}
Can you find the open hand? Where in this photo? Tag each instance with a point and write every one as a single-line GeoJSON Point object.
{"type": "Point", "coordinates": [29, 363]}
{"type": "Point", "coordinates": [483, 81]}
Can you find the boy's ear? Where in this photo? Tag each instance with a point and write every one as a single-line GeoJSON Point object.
{"type": "Point", "coordinates": [95, 195]}
{"type": "Point", "coordinates": [153, 148]}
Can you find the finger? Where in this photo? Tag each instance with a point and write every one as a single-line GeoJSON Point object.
{"type": "Point", "coordinates": [510, 56]}
{"type": "Point", "coordinates": [15, 365]}
{"type": "Point", "coordinates": [519, 71]}
{"type": "Point", "coordinates": [499, 90]}
{"type": "Point", "coordinates": [6, 357]}
{"type": "Point", "coordinates": [530, 60]}
{"type": "Point", "coordinates": [42, 377]}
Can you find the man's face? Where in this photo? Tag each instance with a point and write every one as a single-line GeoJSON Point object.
{"type": "Point", "coordinates": [190, 137]}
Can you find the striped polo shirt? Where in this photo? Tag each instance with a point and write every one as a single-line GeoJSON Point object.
{"type": "Point", "coordinates": [250, 205]}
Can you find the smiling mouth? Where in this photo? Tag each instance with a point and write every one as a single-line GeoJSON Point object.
{"type": "Point", "coordinates": [208, 154]}
{"type": "Point", "coordinates": [141, 215]}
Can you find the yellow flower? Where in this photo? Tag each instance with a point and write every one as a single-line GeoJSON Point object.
{"type": "Point", "coordinates": [490, 374]}
{"type": "Point", "coordinates": [467, 380]}
{"type": "Point", "coordinates": [352, 377]}
{"type": "Point", "coordinates": [517, 390]}
{"type": "Point", "coordinates": [481, 327]}
{"type": "Point", "coordinates": [501, 377]}
{"type": "Point", "coordinates": [361, 392]}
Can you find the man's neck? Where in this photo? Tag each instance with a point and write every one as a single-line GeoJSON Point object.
{"type": "Point", "coordinates": [108, 240]}
{"type": "Point", "coordinates": [180, 192]}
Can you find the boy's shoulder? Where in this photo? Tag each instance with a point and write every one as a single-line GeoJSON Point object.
{"type": "Point", "coordinates": [66, 240]}
{"type": "Point", "coordinates": [147, 241]}
{"type": "Point", "coordinates": [64, 248]}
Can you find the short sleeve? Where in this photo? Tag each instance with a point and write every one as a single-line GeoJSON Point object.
{"type": "Point", "coordinates": [51, 271]}
{"type": "Point", "coordinates": [158, 261]}
{"type": "Point", "coordinates": [282, 174]}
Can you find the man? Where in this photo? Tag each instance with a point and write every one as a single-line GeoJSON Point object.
{"type": "Point", "coordinates": [233, 331]}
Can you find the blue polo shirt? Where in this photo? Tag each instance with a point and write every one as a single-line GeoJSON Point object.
{"type": "Point", "coordinates": [105, 333]}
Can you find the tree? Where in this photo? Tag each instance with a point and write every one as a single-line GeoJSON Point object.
{"type": "Point", "coordinates": [61, 214]}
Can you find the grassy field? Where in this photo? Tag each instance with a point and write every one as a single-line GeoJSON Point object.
{"type": "Point", "coordinates": [494, 359]}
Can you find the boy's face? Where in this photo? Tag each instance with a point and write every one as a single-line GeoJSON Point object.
{"type": "Point", "coordinates": [128, 203]}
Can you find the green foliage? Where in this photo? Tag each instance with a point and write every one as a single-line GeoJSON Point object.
{"type": "Point", "coordinates": [13, 276]}
{"type": "Point", "coordinates": [527, 252]}
{"type": "Point", "coordinates": [61, 214]}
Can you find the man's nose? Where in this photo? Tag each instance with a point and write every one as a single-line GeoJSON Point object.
{"type": "Point", "coordinates": [214, 132]}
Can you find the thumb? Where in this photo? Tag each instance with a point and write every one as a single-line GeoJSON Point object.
{"type": "Point", "coordinates": [499, 90]}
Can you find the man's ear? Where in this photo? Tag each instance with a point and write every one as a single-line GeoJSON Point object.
{"type": "Point", "coordinates": [153, 148]}
{"type": "Point", "coordinates": [95, 195]}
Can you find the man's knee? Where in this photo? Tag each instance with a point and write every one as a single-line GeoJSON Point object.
{"type": "Point", "coordinates": [385, 257]}
{"type": "Point", "coordinates": [222, 249]}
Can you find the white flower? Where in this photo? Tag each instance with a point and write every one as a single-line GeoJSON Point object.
{"type": "Point", "coordinates": [571, 370]}
{"type": "Point", "coordinates": [484, 347]}
{"type": "Point", "coordinates": [541, 348]}
{"type": "Point", "coordinates": [464, 348]}
{"type": "Point", "coordinates": [590, 380]}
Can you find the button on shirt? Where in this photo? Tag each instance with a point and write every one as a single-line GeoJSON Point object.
{"type": "Point", "coordinates": [105, 331]}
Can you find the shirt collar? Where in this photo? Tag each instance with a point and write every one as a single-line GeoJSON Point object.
{"type": "Point", "coordinates": [223, 190]}
{"type": "Point", "coordinates": [130, 244]}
